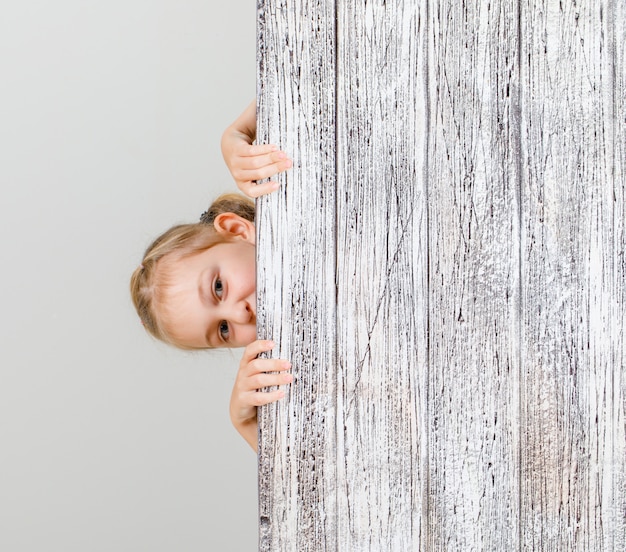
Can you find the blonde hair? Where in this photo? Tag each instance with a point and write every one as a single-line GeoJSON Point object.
{"type": "Point", "coordinates": [180, 241]}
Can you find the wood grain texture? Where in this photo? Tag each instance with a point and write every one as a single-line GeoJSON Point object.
{"type": "Point", "coordinates": [473, 388]}
{"type": "Point", "coordinates": [381, 274]}
{"type": "Point", "coordinates": [296, 275]}
{"type": "Point", "coordinates": [572, 320]}
{"type": "Point", "coordinates": [616, 488]}
{"type": "Point", "coordinates": [445, 268]}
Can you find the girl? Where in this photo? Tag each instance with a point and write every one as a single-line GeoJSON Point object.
{"type": "Point", "coordinates": [196, 285]}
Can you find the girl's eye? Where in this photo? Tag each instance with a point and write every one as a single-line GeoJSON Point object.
{"type": "Point", "coordinates": [219, 288]}
{"type": "Point", "coordinates": [223, 330]}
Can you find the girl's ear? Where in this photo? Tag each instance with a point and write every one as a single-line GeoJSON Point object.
{"type": "Point", "coordinates": [233, 226]}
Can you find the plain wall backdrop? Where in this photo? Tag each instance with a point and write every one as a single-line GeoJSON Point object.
{"type": "Point", "coordinates": [110, 119]}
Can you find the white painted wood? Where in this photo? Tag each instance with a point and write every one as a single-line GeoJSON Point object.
{"type": "Point", "coordinates": [614, 487]}
{"type": "Point", "coordinates": [381, 275]}
{"type": "Point", "coordinates": [573, 287]}
{"type": "Point", "coordinates": [296, 275]}
{"type": "Point", "coordinates": [445, 268]}
{"type": "Point", "coordinates": [473, 372]}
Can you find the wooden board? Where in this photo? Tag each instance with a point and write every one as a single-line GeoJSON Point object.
{"type": "Point", "coordinates": [572, 464]}
{"type": "Point", "coordinates": [473, 176]}
{"type": "Point", "coordinates": [445, 268]}
{"type": "Point", "coordinates": [296, 274]}
{"type": "Point", "coordinates": [381, 275]}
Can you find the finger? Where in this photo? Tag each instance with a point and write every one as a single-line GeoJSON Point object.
{"type": "Point", "coordinates": [255, 162]}
{"type": "Point", "coordinates": [245, 386]}
{"type": "Point", "coordinates": [252, 189]}
{"type": "Point", "coordinates": [264, 172]}
{"type": "Point", "coordinates": [263, 365]}
{"type": "Point", "coordinates": [256, 348]}
{"type": "Point", "coordinates": [262, 398]}
{"type": "Point", "coordinates": [257, 149]}
{"type": "Point", "coordinates": [255, 368]}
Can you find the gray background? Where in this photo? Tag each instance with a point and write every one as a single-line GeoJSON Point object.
{"type": "Point", "coordinates": [110, 120]}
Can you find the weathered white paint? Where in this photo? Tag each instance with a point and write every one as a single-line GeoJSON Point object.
{"type": "Point", "coordinates": [474, 366]}
{"type": "Point", "coordinates": [381, 275]}
{"type": "Point", "coordinates": [572, 464]}
{"type": "Point", "coordinates": [296, 259]}
{"type": "Point", "coordinates": [445, 268]}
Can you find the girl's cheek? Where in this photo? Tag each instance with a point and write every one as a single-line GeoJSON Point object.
{"type": "Point", "coordinates": [251, 335]}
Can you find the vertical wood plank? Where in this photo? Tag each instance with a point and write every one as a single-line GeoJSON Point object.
{"type": "Point", "coordinates": [296, 274]}
{"type": "Point", "coordinates": [381, 274]}
{"type": "Point", "coordinates": [615, 490]}
{"type": "Point", "coordinates": [573, 278]}
{"type": "Point", "coordinates": [473, 387]}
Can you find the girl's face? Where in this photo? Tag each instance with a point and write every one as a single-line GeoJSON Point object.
{"type": "Point", "coordinates": [211, 297]}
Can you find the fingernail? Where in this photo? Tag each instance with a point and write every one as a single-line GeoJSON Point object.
{"type": "Point", "coordinates": [289, 378]}
{"type": "Point", "coordinates": [281, 155]}
{"type": "Point", "coordinates": [270, 344]}
{"type": "Point", "coordinates": [286, 365]}
{"type": "Point", "coordinates": [281, 394]}
{"type": "Point", "coordinates": [289, 163]}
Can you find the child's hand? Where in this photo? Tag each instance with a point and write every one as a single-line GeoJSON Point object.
{"type": "Point", "coordinates": [247, 162]}
{"type": "Point", "coordinates": [254, 375]}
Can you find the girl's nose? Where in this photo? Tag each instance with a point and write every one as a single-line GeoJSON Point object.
{"type": "Point", "coordinates": [242, 313]}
